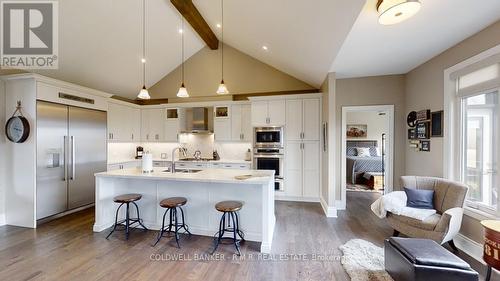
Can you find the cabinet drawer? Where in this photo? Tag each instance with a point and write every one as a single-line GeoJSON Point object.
{"type": "Point", "coordinates": [161, 163]}
{"type": "Point", "coordinates": [188, 165]}
{"type": "Point", "coordinates": [236, 166]}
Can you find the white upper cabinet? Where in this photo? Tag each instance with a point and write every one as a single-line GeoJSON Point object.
{"type": "Point", "coordinates": [268, 113]}
{"type": "Point", "coordinates": [173, 121]}
{"type": "Point", "coordinates": [222, 123]}
{"type": "Point", "coordinates": [123, 123]}
{"type": "Point", "coordinates": [241, 126]}
{"type": "Point", "coordinates": [303, 119]}
{"type": "Point", "coordinates": [152, 124]}
{"type": "Point", "coordinates": [294, 122]}
{"type": "Point", "coordinates": [311, 114]}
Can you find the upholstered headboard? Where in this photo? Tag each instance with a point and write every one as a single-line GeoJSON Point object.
{"type": "Point", "coordinates": [361, 143]}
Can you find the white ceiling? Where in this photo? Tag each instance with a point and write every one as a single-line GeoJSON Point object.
{"type": "Point", "coordinates": [373, 49]}
{"type": "Point", "coordinates": [100, 40]}
{"type": "Point", "coordinates": [100, 43]}
{"type": "Point", "coordinates": [303, 37]}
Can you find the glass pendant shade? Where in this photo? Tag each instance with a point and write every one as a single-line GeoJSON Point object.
{"type": "Point", "coordinates": [144, 94]}
{"type": "Point", "coordinates": [222, 89]}
{"type": "Point", "coordinates": [182, 93]}
{"type": "Point", "coordinates": [396, 11]}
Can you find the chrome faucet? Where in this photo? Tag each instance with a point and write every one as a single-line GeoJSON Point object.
{"type": "Point", "coordinates": [182, 150]}
{"type": "Point", "coordinates": [197, 155]}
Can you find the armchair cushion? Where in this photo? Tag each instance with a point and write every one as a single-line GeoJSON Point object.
{"type": "Point", "coordinates": [427, 224]}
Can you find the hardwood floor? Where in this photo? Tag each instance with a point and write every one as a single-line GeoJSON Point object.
{"type": "Point", "coordinates": [67, 249]}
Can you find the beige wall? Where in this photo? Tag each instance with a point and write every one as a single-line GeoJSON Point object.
{"type": "Point", "coordinates": [377, 90]}
{"type": "Point", "coordinates": [425, 90]}
{"type": "Point", "coordinates": [327, 157]}
{"type": "Point", "coordinates": [242, 74]}
{"type": "Point", "coordinates": [3, 152]}
{"type": "Point", "coordinates": [376, 124]}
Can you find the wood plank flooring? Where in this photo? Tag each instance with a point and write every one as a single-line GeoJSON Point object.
{"type": "Point", "coordinates": [67, 249]}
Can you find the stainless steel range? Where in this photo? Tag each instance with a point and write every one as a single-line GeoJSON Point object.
{"type": "Point", "coordinates": [269, 152]}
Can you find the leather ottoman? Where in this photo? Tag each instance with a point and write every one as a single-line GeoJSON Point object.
{"type": "Point", "coordinates": [411, 259]}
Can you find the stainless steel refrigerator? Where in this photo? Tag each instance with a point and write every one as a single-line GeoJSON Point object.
{"type": "Point", "coordinates": [71, 147]}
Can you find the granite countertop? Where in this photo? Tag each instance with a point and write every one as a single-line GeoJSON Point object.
{"type": "Point", "coordinates": [207, 175]}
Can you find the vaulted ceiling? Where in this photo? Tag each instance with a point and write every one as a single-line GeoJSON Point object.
{"type": "Point", "coordinates": [374, 49]}
{"type": "Point", "coordinates": [100, 40]}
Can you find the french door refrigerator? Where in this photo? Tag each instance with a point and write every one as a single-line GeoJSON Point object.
{"type": "Point", "coordinates": [71, 147]}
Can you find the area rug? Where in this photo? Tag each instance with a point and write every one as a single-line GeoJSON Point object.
{"type": "Point", "coordinates": [364, 261]}
{"type": "Point", "coordinates": [360, 187]}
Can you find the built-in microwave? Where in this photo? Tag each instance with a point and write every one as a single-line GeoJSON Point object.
{"type": "Point", "coordinates": [268, 137]}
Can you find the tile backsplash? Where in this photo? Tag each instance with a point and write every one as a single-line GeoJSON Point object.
{"type": "Point", "coordinates": [203, 142]}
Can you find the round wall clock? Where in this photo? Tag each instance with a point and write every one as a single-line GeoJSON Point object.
{"type": "Point", "coordinates": [17, 129]}
{"type": "Point", "coordinates": [411, 120]}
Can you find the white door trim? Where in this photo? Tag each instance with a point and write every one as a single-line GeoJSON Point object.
{"type": "Point", "coordinates": [389, 109]}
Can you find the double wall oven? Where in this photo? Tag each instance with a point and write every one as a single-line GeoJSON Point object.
{"type": "Point", "coordinates": [269, 152]}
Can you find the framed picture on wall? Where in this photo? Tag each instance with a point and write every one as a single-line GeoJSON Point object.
{"type": "Point", "coordinates": [412, 133]}
{"type": "Point", "coordinates": [437, 121]}
{"type": "Point", "coordinates": [425, 145]}
{"type": "Point", "coordinates": [357, 131]}
{"type": "Point", "coordinates": [423, 130]}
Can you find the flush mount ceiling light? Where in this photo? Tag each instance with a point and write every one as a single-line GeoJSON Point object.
{"type": "Point", "coordinates": [144, 94]}
{"type": "Point", "coordinates": [396, 11]}
{"type": "Point", "coordinates": [222, 89]}
{"type": "Point", "coordinates": [182, 93]}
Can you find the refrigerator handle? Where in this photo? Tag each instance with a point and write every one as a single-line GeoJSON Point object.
{"type": "Point", "coordinates": [73, 158]}
{"type": "Point", "coordinates": [65, 151]}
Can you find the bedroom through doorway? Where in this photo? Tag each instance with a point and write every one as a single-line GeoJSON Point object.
{"type": "Point", "coordinates": [367, 148]}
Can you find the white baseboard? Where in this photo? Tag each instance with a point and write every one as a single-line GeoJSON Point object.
{"type": "Point", "coordinates": [340, 204]}
{"type": "Point", "coordinates": [469, 246]}
{"type": "Point", "coordinates": [330, 212]}
{"type": "Point", "coordinates": [2, 219]}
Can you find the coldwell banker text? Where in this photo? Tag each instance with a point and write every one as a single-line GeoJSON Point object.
{"type": "Point", "coordinates": [29, 34]}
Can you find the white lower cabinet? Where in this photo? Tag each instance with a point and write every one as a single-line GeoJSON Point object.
{"type": "Point", "coordinates": [124, 165]}
{"type": "Point", "coordinates": [302, 170]}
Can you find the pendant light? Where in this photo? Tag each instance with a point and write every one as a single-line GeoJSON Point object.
{"type": "Point", "coordinates": [182, 93]}
{"type": "Point", "coordinates": [396, 11]}
{"type": "Point", "coordinates": [222, 89]}
{"type": "Point", "coordinates": [144, 94]}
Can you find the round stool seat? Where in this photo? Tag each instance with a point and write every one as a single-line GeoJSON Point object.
{"type": "Point", "coordinates": [173, 202]}
{"type": "Point", "coordinates": [127, 198]}
{"type": "Point", "coordinates": [229, 206]}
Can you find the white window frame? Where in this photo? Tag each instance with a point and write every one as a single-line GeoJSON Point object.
{"type": "Point", "coordinates": [452, 161]}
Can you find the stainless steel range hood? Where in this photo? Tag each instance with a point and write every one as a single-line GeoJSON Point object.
{"type": "Point", "coordinates": [199, 120]}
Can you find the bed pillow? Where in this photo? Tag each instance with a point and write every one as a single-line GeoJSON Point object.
{"type": "Point", "coordinates": [373, 151]}
{"type": "Point", "coordinates": [377, 152]}
{"type": "Point", "coordinates": [419, 198]}
{"type": "Point", "coordinates": [363, 151]}
{"type": "Point", "coordinates": [351, 151]}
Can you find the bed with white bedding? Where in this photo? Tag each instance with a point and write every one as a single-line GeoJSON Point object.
{"type": "Point", "coordinates": [356, 165]}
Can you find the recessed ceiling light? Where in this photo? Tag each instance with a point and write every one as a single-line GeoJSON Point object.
{"type": "Point", "coordinates": [143, 60]}
{"type": "Point", "coordinates": [219, 25]}
{"type": "Point", "coordinates": [181, 30]}
{"type": "Point", "coordinates": [264, 48]}
{"type": "Point", "coordinates": [396, 11]}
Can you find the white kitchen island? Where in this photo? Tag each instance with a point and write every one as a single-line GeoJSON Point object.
{"type": "Point", "coordinates": [203, 189]}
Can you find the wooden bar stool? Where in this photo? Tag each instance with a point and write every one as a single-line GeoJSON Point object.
{"type": "Point", "coordinates": [127, 199]}
{"type": "Point", "coordinates": [230, 212]}
{"type": "Point", "coordinates": [171, 205]}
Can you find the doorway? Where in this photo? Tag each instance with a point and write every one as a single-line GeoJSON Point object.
{"type": "Point", "coordinates": [367, 149]}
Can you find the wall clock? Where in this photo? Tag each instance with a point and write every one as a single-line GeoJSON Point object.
{"type": "Point", "coordinates": [411, 120]}
{"type": "Point", "coordinates": [17, 128]}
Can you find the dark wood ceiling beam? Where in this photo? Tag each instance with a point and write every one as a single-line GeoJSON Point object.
{"type": "Point", "coordinates": [193, 17]}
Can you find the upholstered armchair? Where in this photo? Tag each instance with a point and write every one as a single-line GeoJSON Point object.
{"type": "Point", "coordinates": [449, 197]}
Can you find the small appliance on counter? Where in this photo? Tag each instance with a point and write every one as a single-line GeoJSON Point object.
{"type": "Point", "coordinates": [248, 155]}
{"type": "Point", "coordinates": [139, 151]}
{"type": "Point", "coordinates": [147, 163]}
{"type": "Point", "coordinates": [216, 155]}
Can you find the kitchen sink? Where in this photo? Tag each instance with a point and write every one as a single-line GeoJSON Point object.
{"type": "Point", "coordinates": [184, 171]}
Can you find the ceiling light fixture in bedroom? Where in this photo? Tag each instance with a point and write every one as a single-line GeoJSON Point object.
{"type": "Point", "coordinates": [396, 11]}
